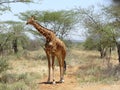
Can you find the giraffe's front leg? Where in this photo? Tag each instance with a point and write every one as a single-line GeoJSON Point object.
{"type": "Point", "coordinates": [49, 66]}
{"type": "Point", "coordinates": [49, 71]}
{"type": "Point", "coordinates": [53, 66]}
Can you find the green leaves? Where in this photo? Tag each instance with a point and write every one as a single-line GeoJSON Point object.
{"type": "Point", "coordinates": [100, 32]}
{"type": "Point", "coordinates": [61, 22]}
{"type": "Point", "coordinates": [13, 1]}
{"type": "Point", "coordinates": [3, 65]}
{"type": "Point", "coordinates": [4, 4]}
{"type": "Point", "coordinates": [13, 36]}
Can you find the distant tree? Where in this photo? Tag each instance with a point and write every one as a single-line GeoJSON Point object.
{"type": "Point", "coordinates": [4, 38]}
{"type": "Point", "coordinates": [18, 37]}
{"type": "Point", "coordinates": [14, 36]}
{"type": "Point", "coordinates": [90, 43]}
{"type": "Point", "coordinates": [113, 13]}
{"type": "Point", "coordinates": [100, 34]}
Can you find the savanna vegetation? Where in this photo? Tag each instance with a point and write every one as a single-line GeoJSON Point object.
{"type": "Point", "coordinates": [23, 61]}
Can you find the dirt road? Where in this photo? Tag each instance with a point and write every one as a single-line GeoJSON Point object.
{"type": "Point", "coordinates": [71, 83]}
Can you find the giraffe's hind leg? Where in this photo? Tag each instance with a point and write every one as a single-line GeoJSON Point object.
{"type": "Point", "coordinates": [63, 66]}
{"type": "Point", "coordinates": [61, 69]}
{"type": "Point", "coordinates": [62, 72]}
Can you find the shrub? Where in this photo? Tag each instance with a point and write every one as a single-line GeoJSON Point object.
{"type": "Point", "coordinates": [24, 81]}
{"type": "Point", "coordinates": [3, 65]}
{"type": "Point", "coordinates": [14, 86]}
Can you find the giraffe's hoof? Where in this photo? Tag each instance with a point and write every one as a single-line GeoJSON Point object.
{"type": "Point", "coordinates": [54, 83]}
{"type": "Point", "coordinates": [61, 81]}
{"type": "Point", "coordinates": [48, 81]}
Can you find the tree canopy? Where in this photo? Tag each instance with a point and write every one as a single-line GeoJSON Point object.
{"type": "Point", "coordinates": [4, 4]}
{"type": "Point", "coordinates": [61, 22]}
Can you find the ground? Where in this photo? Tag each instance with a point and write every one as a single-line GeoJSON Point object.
{"type": "Point", "coordinates": [71, 83]}
{"type": "Point", "coordinates": [85, 71]}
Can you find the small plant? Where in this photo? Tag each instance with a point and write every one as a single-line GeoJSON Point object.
{"type": "Point", "coordinates": [3, 65]}
{"type": "Point", "coordinates": [24, 81]}
{"type": "Point", "coordinates": [9, 78]}
{"type": "Point", "coordinates": [20, 85]}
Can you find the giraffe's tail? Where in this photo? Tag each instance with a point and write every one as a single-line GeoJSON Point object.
{"type": "Point", "coordinates": [65, 67]}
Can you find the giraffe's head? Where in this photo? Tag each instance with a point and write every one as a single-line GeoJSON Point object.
{"type": "Point", "coordinates": [30, 20]}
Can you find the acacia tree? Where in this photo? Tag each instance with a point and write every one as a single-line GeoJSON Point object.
{"type": "Point", "coordinates": [61, 22]}
{"type": "Point", "coordinates": [4, 4]}
{"type": "Point", "coordinates": [4, 38]}
{"type": "Point", "coordinates": [13, 36]}
{"type": "Point", "coordinates": [99, 32]}
{"type": "Point", "coordinates": [13, 1]}
{"type": "Point", "coordinates": [18, 37]}
{"type": "Point", "coordinates": [113, 13]}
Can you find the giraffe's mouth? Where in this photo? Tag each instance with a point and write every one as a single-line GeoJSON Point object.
{"type": "Point", "coordinates": [26, 23]}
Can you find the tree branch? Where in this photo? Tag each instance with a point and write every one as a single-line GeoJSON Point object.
{"type": "Point", "coordinates": [14, 1]}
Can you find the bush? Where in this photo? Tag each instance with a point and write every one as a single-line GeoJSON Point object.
{"type": "Point", "coordinates": [9, 78]}
{"type": "Point", "coordinates": [15, 86]}
{"type": "Point", "coordinates": [24, 81]}
{"type": "Point", "coordinates": [3, 65]}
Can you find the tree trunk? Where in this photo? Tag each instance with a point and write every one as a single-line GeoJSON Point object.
{"type": "Point", "coordinates": [118, 50]}
{"type": "Point", "coordinates": [1, 49]}
{"type": "Point", "coordinates": [15, 46]}
{"type": "Point", "coordinates": [102, 52]}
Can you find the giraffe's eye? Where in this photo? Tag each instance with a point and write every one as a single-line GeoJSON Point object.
{"type": "Point", "coordinates": [50, 43]}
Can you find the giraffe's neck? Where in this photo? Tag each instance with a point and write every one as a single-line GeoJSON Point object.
{"type": "Point", "coordinates": [45, 32]}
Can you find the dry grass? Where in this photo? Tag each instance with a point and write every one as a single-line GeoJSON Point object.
{"type": "Point", "coordinates": [93, 69]}
{"type": "Point", "coordinates": [27, 68]}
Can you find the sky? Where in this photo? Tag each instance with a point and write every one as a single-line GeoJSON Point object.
{"type": "Point", "coordinates": [51, 5]}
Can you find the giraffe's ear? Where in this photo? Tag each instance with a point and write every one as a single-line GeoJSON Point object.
{"type": "Point", "coordinates": [33, 17]}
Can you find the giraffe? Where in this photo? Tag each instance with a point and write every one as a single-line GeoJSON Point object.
{"type": "Point", "coordinates": [54, 47]}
